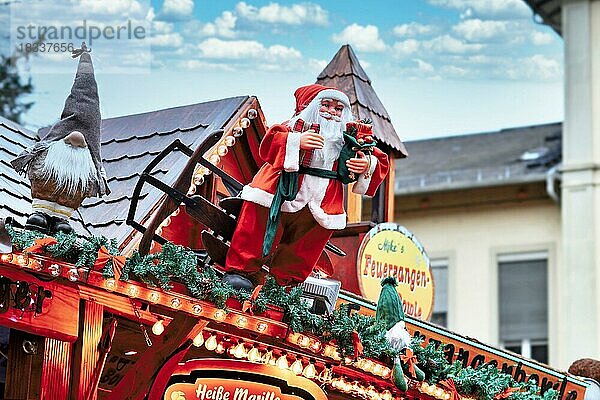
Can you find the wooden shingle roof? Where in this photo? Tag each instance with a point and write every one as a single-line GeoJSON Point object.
{"type": "Point", "coordinates": [129, 143]}
{"type": "Point", "coordinates": [345, 73]}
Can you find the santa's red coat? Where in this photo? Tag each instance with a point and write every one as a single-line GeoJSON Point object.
{"type": "Point", "coordinates": [280, 149]}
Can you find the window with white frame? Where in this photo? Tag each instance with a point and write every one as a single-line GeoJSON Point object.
{"type": "Point", "coordinates": [523, 304]}
{"type": "Point", "coordinates": [439, 270]}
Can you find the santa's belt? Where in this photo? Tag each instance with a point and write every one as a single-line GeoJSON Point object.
{"type": "Point", "coordinates": [322, 173]}
{"type": "Point", "coordinates": [287, 189]}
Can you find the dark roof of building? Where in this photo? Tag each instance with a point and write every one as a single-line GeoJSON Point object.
{"type": "Point", "coordinates": [15, 193]}
{"type": "Point", "coordinates": [550, 11]}
{"type": "Point", "coordinates": [129, 143]}
{"type": "Point", "coordinates": [345, 73]}
{"type": "Point", "coordinates": [503, 157]}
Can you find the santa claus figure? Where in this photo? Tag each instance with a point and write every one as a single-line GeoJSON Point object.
{"type": "Point", "coordinates": [296, 200]}
{"type": "Point", "coordinates": [65, 167]}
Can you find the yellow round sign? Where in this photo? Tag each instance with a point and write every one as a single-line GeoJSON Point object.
{"type": "Point", "coordinates": [389, 249]}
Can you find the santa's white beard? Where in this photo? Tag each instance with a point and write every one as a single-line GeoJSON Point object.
{"type": "Point", "coordinates": [330, 129]}
{"type": "Point", "coordinates": [71, 168]}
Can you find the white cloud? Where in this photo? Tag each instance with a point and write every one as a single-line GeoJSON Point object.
{"type": "Point", "coordinates": [363, 38]}
{"type": "Point", "coordinates": [536, 67]}
{"type": "Point", "coordinates": [487, 8]}
{"type": "Point", "coordinates": [177, 9]}
{"type": "Point", "coordinates": [541, 38]}
{"type": "Point", "coordinates": [202, 65]}
{"type": "Point", "coordinates": [424, 66]}
{"type": "Point", "coordinates": [274, 13]}
{"type": "Point", "coordinates": [214, 48]}
{"type": "Point", "coordinates": [451, 45]}
{"type": "Point", "coordinates": [113, 7]}
{"type": "Point", "coordinates": [224, 26]}
{"type": "Point", "coordinates": [413, 29]}
{"type": "Point", "coordinates": [406, 47]}
{"type": "Point", "coordinates": [476, 30]}
{"type": "Point", "coordinates": [166, 40]}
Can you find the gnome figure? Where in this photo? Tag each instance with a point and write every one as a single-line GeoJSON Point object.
{"type": "Point", "coordinates": [65, 167]}
{"type": "Point", "coordinates": [390, 312]}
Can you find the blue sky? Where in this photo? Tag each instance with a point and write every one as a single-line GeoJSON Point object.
{"type": "Point", "coordinates": [439, 66]}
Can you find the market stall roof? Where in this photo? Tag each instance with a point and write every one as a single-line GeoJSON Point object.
{"type": "Point", "coordinates": [15, 195]}
{"type": "Point", "coordinates": [129, 143]}
{"type": "Point", "coordinates": [345, 73]}
{"type": "Point", "coordinates": [508, 156]}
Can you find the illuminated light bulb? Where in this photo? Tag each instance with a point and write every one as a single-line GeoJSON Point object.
{"type": "Point", "coordinates": [371, 392]}
{"type": "Point", "coordinates": [159, 230]}
{"type": "Point", "coordinates": [368, 366]}
{"type": "Point", "coordinates": [35, 265]}
{"type": "Point", "coordinates": [214, 159]}
{"type": "Point", "coordinates": [198, 340]}
{"type": "Point", "coordinates": [175, 213]}
{"type": "Point", "coordinates": [356, 387]}
{"type": "Point", "coordinates": [347, 360]}
{"type": "Point", "coordinates": [73, 274]}
{"type": "Point", "coordinates": [110, 284]}
{"type": "Point", "coordinates": [242, 322]}
{"type": "Point", "coordinates": [282, 362]}
{"type": "Point", "coordinates": [54, 269]}
{"type": "Point", "coordinates": [377, 369]}
{"type": "Point", "coordinates": [198, 179]}
{"type": "Point", "coordinates": [229, 141]}
{"type": "Point", "coordinates": [204, 170]}
{"type": "Point", "coordinates": [6, 257]}
{"type": "Point", "coordinates": [244, 123]}
{"type": "Point", "coordinates": [304, 342]}
{"type": "Point", "coordinates": [158, 328]}
{"type": "Point", "coordinates": [309, 371]}
{"type": "Point", "coordinates": [252, 113]}
{"type": "Point", "coordinates": [327, 351]}
{"type": "Point", "coordinates": [222, 150]}
{"type": "Point", "coordinates": [238, 131]}
{"type": "Point", "coordinates": [175, 303]}
{"type": "Point", "coordinates": [154, 297]}
{"type": "Point", "coordinates": [191, 190]}
{"type": "Point", "coordinates": [386, 395]}
{"type": "Point", "coordinates": [336, 355]}
{"type": "Point", "coordinates": [211, 343]}
{"type": "Point", "coordinates": [197, 309]}
{"type": "Point", "coordinates": [261, 327]}
{"type": "Point", "coordinates": [360, 363]}
{"type": "Point", "coordinates": [22, 260]}
{"type": "Point", "coordinates": [315, 346]}
{"type": "Point", "coordinates": [166, 222]}
{"type": "Point", "coordinates": [447, 396]}
{"type": "Point", "coordinates": [132, 291]}
{"type": "Point", "coordinates": [254, 355]}
{"type": "Point", "coordinates": [385, 372]}
{"type": "Point", "coordinates": [220, 348]}
{"type": "Point", "coordinates": [297, 366]}
{"type": "Point", "coordinates": [240, 351]}
{"type": "Point", "coordinates": [268, 357]}
{"type": "Point", "coordinates": [325, 375]}
{"type": "Point", "coordinates": [220, 315]}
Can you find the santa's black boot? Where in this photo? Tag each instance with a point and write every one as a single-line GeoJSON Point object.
{"type": "Point", "coordinates": [38, 221]}
{"type": "Point", "coordinates": [238, 281]}
{"type": "Point", "coordinates": [60, 225]}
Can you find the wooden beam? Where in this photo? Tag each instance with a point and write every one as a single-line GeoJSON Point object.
{"type": "Point", "coordinates": [389, 193]}
{"type": "Point", "coordinates": [137, 382]}
{"type": "Point", "coordinates": [23, 371]}
{"type": "Point", "coordinates": [86, 348]}
{"type": "Point", "coordinates": [56, 370]}
{"type": "Point", "coordinates": [354, 205]}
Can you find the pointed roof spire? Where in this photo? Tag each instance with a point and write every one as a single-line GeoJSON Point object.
{"type": "Point", "coordinates": [345, 73]}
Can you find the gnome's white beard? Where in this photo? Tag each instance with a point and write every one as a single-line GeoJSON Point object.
{"type": "Point", "coordinates": [330, 129]}
{"type": "Point", "coordinates": [71, 168]}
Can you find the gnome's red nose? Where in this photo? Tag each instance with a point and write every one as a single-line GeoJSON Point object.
{"type": "Point", "coordinates": [75, 139]}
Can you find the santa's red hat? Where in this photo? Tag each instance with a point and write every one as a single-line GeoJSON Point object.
{"type": "Point", "coordinates": [305, 94]}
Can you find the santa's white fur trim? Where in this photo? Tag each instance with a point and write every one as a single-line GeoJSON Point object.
{"type": "Point", "coordinates": [362, 184]}
{"type": "Point", "coordinates": [264, 198]}
{"type": "Point", "coordinates": [398, 337]}
{"type": "Point", "coordinates": [51, 208]}
{"type": "Point", "coordinates": [291, 162]}
{"type": "Point", "coordinates": [71, 168]}
{"type": "Point", "coordinates": [335, 95]}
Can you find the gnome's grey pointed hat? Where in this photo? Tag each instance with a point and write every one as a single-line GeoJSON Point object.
{"type": "Point", "coordinates": [80, 113]}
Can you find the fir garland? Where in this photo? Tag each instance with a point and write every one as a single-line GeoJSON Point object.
{"type": "Point", "coordinates": [177, 264]}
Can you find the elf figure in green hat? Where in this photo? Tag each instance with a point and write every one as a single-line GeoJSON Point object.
{"type": "Point", "coordinates": [390, 312]}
